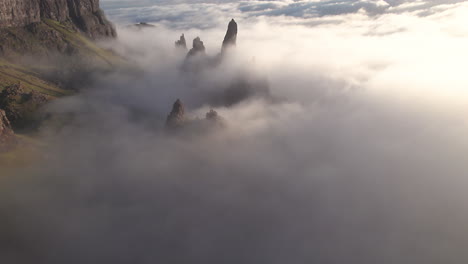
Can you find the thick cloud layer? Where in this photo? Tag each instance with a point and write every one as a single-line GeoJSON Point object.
{"type": "Point", "coordinates": [208, 13]}
{"type": "Point", "coordinates": [357, 155]}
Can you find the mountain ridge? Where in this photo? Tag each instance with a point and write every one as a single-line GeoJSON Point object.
{"type": "Point", "coordinates": [48, 49]}
{"type": "Point", "coordinates": [84, 15]}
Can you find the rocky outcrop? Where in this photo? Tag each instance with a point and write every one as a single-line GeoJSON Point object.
{"type": "Point", "coordinates": [45, 39]}
{"type": "Point", "coordinates": [140, 26]}
{"type": "Point", "coordinates": [176, 118]}
{"type": "Point", "coordinates": [242, 87]}
{"type": "Point", "coordinates": [17, 13]}
{"type": "Point", "coordinates": [230, 39]}
{"type": "Point", "coordinates": [181, 43]}
{"type": "Point", "coordinates": [197, 49]}
{"type": "Point", "coordinates": [21, 106]}
{"type": "Point", "coordinates": [84, 15]}
{"type": "Point", "coordinates": [7, 136]}
{"type": "Point", "coordinates": [214, 118]}
{"type": "Point", "coordinates": [177, 121]}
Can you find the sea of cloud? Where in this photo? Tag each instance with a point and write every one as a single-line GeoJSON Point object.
{"type": "Point", "coordinates": [358, 155]}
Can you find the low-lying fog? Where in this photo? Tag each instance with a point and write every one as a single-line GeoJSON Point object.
{"type": "Point", "coordinates": [357, 155]}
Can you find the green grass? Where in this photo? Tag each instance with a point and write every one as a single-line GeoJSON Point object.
{"type": "Point", "coordinates": [31, 74]}
{"type": "Point", "coordinates": [13, 74]}
{"type": "Point", "coordinates": [89, 56]}
{"type": "Point", "coordinates": [85, 45]}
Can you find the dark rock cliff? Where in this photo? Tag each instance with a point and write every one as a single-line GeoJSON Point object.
{"type": "Point", "coordinates": [84, 15]}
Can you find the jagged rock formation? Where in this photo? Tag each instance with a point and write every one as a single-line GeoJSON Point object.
{"type": "Point", "coordinates": [177, 121]}
{"type": "Point", "coordinates": [198, 48]}
{"type": "Point", "coordinates": [196, 58]}
{"type": "Point", "coordinates": [46, 44]}
{"type": "Point", "coordinates": [214, 118]}
{"type": "Point", "coordinates": [21, 106]}
{"type": "Point", "coordinates": [176, 118]}
{"type": "Point", "coordinates": [84, 15]}
{"type": "Point", "coordinates": [141, 25]}
{"type": "Point", "coordinates": [230, 39]}
{"type": "Point", "coordinates": [238, 89]}
{"type": "Point", "coordinates": [7, 136]}
{"type": "Point", "coordinates": [181, 43]}
{"type": "Point", "coordinates": [212, 115]}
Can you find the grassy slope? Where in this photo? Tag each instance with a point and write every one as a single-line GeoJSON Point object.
{"type": "Point", "coordinates": [30, 77]}
{"type": "Point", "coordinates": [11, 72]}
{"type": "Point", "coordinates": [83, 44]}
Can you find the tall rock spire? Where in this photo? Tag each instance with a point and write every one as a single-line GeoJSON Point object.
{"type": "Point", "coordinates": [181, 43]}
{"type": "Point", "coordinates": [198, 47]}
{"type": "Point", "coordinates": [231, 36]}
{"type": "Point", "coordinates": [176, 118]}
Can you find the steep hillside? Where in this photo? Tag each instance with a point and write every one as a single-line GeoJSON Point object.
{"type": "Point", "coordinates": [48, 50]}
{"type": "Point", "coordinates": [45, 44]}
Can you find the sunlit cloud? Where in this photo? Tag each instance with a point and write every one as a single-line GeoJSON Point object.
{"type": "Point", "coordinates": [357, 154]}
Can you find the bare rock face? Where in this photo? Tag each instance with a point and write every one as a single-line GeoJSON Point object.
{"type": "Point", "coordinates": [21, 106]}
{"type": "Point", "coordinates": [17, 13]}
{"type": "Point", "coordinates": [176, 118]}
{"type": "Point", "coordinates": [84, 15]}
{"type": "Point", "coordinates": [181, 43]}
{"type": "Point", "coordinates": [7, 136]}
{"type": "Point", "coordinates": [198, 48]}
{"type": "Point", "coordinates": [230, 39]}
{"type": "Point", "coordinates": [87, 16]}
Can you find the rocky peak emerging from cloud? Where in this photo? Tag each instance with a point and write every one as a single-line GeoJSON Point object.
{"type": "Point", "coordinates": [176, 118]}
{"type": "Point", "coordinates": [229, 41]}
{"type": "Point", "coordinates": [214, 118]}
{"type": "Point", "coordinates": [240, 88]}
{"type": "Point", "coordinates": [231, 36]}
{"type": "Point", "coordinates": [181, 43]}
{"type": "Point", "coordinates": [140, 26]}
{"type": "Point", "coordinates": [198, 47]}
{"type": "Point", "coordinates": [177, 121]}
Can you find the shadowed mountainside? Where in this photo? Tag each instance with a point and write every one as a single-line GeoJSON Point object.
{"type": "Point", "coordinates": [48, 45]}
{"type": "Point", "coordinates": [48, 49]}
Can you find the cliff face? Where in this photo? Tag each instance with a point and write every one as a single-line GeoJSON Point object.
{"type": "Point", "coordinates": [16, 13]}
{"type": "Point", "coordinates": [84, 15]}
